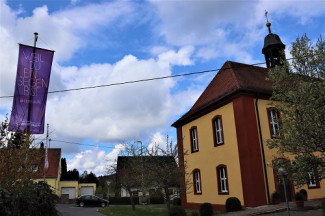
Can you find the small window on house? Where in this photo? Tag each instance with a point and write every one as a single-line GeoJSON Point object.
{"type": "Point", "coordinates": [197, 182]}
{"type": "Point", "coordinates": [274, 122]}
{"type": "Point", "coordinates": [217, 131]}
{"type": "Point", "coordinates": [312, 180]}
{"type": "Point", "coordinates": [222, 179]}
{"type": "Point", "coordinates": [35, 168]}
{"type": "Point", "coordinates": [194, 139]}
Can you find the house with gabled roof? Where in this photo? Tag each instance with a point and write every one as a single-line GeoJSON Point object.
{"type": "Point", "coordinates": [222, 138]}
{"type": "Point", "coordinates": [133, 172]}
{"type": "Point", "coordinates": [52, 174]}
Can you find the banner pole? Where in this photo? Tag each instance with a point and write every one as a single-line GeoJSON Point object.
{"type": "Point", "coordinates": [31, 83]}
{"type": "Point", "coordinates": [46, 165]}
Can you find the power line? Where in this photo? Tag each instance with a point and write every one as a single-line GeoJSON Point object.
{"type": "Point", "coordinates": [146, 80]}
{"type": "Point", "coordinates": [75, 143]}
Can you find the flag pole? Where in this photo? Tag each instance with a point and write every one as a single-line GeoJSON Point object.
{"type": "Point", "coordinates": [46, 163]}
{"type": "Point", "coordinates": [31, 83]}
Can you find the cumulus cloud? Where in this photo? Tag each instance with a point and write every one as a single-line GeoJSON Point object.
{"type": "Point", "coordinates": [213, 24]}
{"type": "Point", "coordinates": [117, 112]}
{"type": "Point", "coordinates": [95, 160]}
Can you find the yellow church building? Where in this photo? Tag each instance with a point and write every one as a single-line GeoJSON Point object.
{"type": "Point", "coordinates": [222, 138]}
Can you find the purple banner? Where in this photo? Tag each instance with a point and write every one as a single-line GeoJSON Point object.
{"type": "Point", "coordinates": [32, 82]}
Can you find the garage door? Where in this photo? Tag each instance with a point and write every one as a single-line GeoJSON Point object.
{"type": "Point", "coordinates": [84, 190]}
{"type": "Point", "coordinates": [69, 190]}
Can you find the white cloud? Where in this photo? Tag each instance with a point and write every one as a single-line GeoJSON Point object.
{"type": "Point", "coordinates": [118, 112]}
{"type": "Point", "coordinates": [212, 25]}
{"type": "Point", "coordinates": [95, 160]}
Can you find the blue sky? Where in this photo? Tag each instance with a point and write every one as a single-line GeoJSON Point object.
{"type": "Point", "coordinates": [102, 42]}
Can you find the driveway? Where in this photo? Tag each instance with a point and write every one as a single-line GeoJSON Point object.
{"type": "Point", "coordinates": [73, 210]}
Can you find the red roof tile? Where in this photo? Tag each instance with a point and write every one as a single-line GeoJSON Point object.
{"type": "Point", "coordinates": [54, 158]}
{"type": "Point", "coordinates": [232, 78]}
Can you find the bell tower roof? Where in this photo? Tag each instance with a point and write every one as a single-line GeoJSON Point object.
{"type": "Point", "coordinates": [272, 40]}
{"type": "Point", "coordinates": [273, 48]}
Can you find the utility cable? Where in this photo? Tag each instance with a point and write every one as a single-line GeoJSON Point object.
{"type": "Point", "coordinates": [75, 143]}
{"type": "Point", "coordinates": [145, 80]}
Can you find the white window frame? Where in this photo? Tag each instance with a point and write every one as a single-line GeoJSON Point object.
{"type": "Point", "coordinates": [223, 180]}
{"type": "Point", "coordinates": [312, 179]}
{"type": "Point", "coordinates": [35, 168]}
{"type": "Point", "coordinates": [197, 178]}
{"type": "Point", "coordinates": [218, 130]}
{"type": "Point", "coordinates": [194, 140]}
{"type": "Point", "coordinates": [274, 122]}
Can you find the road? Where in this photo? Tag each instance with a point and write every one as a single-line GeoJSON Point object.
{"type": "Point", "coordinates": [316, 212]}
{"type": "Point", "coordinates": [73, 210]}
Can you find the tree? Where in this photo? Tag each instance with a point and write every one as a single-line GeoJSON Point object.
{"type": "Point", "coordinates": [164, 172]}
{"type": "Point", "coordinates": [18, 157]}
{"type": "Point", "coordinates": [129, 170]}
{"type": "Point", "coordinates": [88, 178]}
{"type": "Point", "coordinates": [63, 169]}
{"type": "Point", "coordinates": [299, 97]}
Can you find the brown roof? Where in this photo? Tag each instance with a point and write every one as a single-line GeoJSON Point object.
{"type": "Point", "coordinates": [232, 78]}
{"type": "Point", "coordinates": [54, 158]}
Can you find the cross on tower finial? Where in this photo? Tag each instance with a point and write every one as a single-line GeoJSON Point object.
{"type": "Point", "coordinates": [267, 20]}
{"type": "Point", "coordinates": [268, 24]}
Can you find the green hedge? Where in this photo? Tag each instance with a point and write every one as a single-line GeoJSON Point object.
{"type": "Point", "coordinates": [123, 200]}
{"type": "Point", "coordinates": [29, 198]}
{"type": "Point", "coordinates": [157, 200]}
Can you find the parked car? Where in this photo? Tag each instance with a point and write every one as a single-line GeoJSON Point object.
{"type": "Point", "coordinates": [91, 200]}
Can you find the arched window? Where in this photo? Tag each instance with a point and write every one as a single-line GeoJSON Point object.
{"type": "Point", "coordinates": [197, 181]}
{"type": "Point", "coordinates": [274, 124]}
{"type": "Point", "coordinates": [222, 176]}
{"type": "Point", "coordinates": [217, 130]}
{"type": "Point", "coordinates": [194, 139]}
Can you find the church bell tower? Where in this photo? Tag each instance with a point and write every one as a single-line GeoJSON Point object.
{"type": "Point", "coordinates": [273, 49]}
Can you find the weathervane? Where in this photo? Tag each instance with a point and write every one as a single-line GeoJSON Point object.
{"type": "Point", "coordinates": [268, 24]}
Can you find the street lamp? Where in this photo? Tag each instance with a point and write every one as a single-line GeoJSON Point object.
{"type": "Point", "coordinates": [283, 173]}
{"type": "Point", "coordinates": [141, 167]}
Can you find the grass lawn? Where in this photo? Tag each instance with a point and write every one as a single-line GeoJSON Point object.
{"type": "Point", "coordinates": [140, 210]}
{"type": "Point", "coordinates": [143, 210]}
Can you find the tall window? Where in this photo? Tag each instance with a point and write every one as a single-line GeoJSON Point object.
{"type": "Point", "coordinates": [217, 131]}
{"type": "Point", "coordinates": [194, 139]}
{"type": "Point", "coordinates": [197, 181]}
{"type": "Point", "coordinates": [274, 122]}
{"type": "Point", "coordinates": [312, 180]}
{"type": "Point", "coordinates": [222, 179]}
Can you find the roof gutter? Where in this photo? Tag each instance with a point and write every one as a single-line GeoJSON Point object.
{"type": "Point", "coordinates": [262, 147]}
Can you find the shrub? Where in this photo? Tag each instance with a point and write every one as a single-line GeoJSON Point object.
{"type": "Point", "coordinates": [233, 204]}
{"type": "Point", "coordinates": [177, 211]}
{"type": "Point", "coordinates": [29, 198]}
{"type": "Point", "coordinates": [123, 200]}
{"type": "Point", "coordinates": [299, 196]}
{"type": "Point", "coordinates": [195, 213]}
{"type": "Point", "coordinates": [275, 195]}
{"type": "Point", "coordinates": [157, 200]}
{"type": "Point", "coordinates": [304, 193]}
{"type": "Point", "coordinates": [206, 209]}
{"type": "Point", "coordinates": [177, 201]}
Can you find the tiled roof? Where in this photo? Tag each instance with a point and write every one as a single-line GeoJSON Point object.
{"type": "Point", "coordinates": [232, 78]}
{"type": "Point", "coordinates": [54, 157]}
{"type": "Point", "coordinates": [130, 161]}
